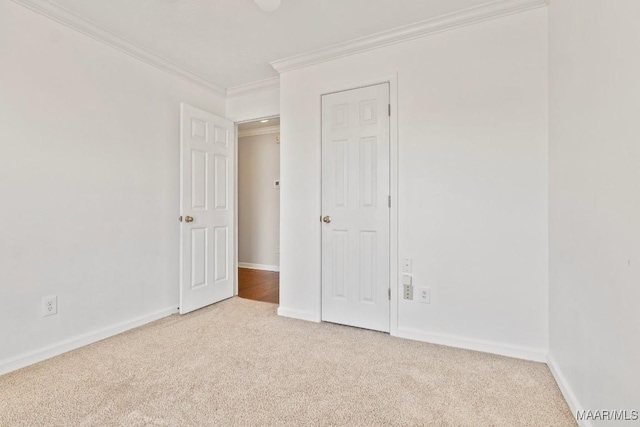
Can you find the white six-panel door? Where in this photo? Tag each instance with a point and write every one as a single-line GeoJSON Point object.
{"type": "Point", "coordinates": [355, 207]}
{"type": "Point", "coordinates": [207, 208]}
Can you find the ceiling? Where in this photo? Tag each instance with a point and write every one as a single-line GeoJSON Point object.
{"type": "Point", "coordinates": [231, 42]}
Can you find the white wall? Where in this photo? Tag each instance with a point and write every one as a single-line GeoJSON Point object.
{"type": "Point", "coordinates": [472, 108]}
{"type": "Point", "coordinates": [254, 105]}
{"type": "Point", "coordinates": [595, 202]}
{"type": "Point", "coordinates": [258, 200]}
{"type": "Point", "coordinates": [89, 182]}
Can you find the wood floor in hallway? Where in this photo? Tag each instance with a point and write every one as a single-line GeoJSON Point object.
{"type": "Point", "coordinates": [259, 285]}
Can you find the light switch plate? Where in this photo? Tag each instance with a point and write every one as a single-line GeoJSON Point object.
{"type": "Point", "coordinates": [408, 292]}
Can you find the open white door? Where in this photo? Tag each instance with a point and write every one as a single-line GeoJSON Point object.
{"type": "Point", "coordinates": [207, 208]}
{"type": "Point", "coordinates": [355, 208]}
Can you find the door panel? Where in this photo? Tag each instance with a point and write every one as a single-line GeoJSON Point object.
{"type": "Point", "coordinates": [355, 188]}
{"type": "Point", "coordinates": [221, 182]}
{"type": "Point", "coordinates": [199, 172]}
{"type": "Point", "coordinates": [222, 253]}
{"type": "Point", "coordinates": [206, 189]}
{"type": "Point", "coordinates": [198, 257]}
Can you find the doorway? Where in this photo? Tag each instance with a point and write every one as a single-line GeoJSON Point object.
{"type": "Point", "coordinates": [258, 181]}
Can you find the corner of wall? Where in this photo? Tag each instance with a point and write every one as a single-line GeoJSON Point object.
{"type": "Point", "coordinates": [566, 390]}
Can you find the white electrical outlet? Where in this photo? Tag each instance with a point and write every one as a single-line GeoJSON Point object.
{"type": "Point", "coordinates": [49, 306]}
{"type": "Point", "coordinates": [424, 295]}
{"type": "Point", "coordinates": [406, 265]}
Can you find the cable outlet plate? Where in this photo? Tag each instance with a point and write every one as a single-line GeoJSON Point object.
{"type": "Point", "coordinates": [424, 295]}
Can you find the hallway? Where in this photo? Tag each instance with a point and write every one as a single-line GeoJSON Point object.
{"type": "Point", "coordinates": [259, 285]}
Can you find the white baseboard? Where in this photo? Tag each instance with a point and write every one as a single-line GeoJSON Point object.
{"type": "Point", "coordinates": [518, 352]}
{"type": "Point", "coordinates": [298, 314]}
{"type": "Point", "coordinates": [567, 391]}
{"type": "Point", "coordinates": [264, 267]}
{"type": "Point", "coordinates": [35, 356]}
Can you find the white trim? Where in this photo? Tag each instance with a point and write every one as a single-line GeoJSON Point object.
{"type": "Point", "coordinates": [44, 353]}
{"type": "Point", "coordinates": [254, 87]}
{"type": "Point", "coordinates": [567, 391]}
{"type": "Point", "coordinates": [518, 352]}
{"type": "Point", "coordinates": [76, 22]}
{"type": "Point", "coordinates": [264, 267]}
{"type": "Point", "coordinates": [474, 15]}
{"type": "Point", "coordinates": [259, 131]}
{"type": "Point", "coordinates": [236, 245]}
{"type": "Point", "coordinates": [298, 314]}
{"type": "Point", "coordinates": [394, 260]}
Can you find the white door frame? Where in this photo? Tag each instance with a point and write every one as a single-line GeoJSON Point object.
{"type": "Point", "coordinates": [393, 189]}
{"type": "Point", "coordinates": [236, 255]}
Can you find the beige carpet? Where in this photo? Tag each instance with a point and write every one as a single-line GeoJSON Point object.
{"type": "Point", "coordinates": [238, 364]}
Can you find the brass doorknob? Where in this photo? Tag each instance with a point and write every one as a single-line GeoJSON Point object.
{"type": "Point", "coordinates": [326, 219]}
{"type": "Point", "coordinates": [188, 218]}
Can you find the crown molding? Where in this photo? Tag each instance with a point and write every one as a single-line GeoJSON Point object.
{"type": "Point", "coordinates": [474, 15]}
{"type": "Point", "coordinates": [254, 87]}
{"type": "Point", "coordinates": [259, 131]}
{"type": "Point", "coordinates": [76, 22]}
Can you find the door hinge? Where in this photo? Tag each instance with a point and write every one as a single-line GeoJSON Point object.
{"type": "Point", "coordinates": [389, 110]}
{"type": "Point", "coordinates": [389, 294]}
{"type": "Point", "coordinates": [389, 201]}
